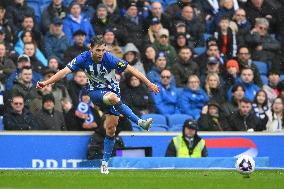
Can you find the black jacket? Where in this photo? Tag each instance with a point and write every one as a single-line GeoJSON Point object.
{"type": "Point", "coordinates": [74, 91]}
{"type": "Point", "coordinates": [15, 121]}
{"type": "Point", "coordinates": [256, 75]}
{"type": "Point", "coordinates": [207, 123]}
{"type": "Point", "coordinates": [72, 52]}
{"type": "Point", "coordinates": [239, 122]}
{"type": "Point", "coordinates": [50, 121]}
{"type": "Point", "coordinates": [182, 70]}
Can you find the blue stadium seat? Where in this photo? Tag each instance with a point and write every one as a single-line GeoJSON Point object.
{"type": "Point", "coordinates": [199, 50]}
{"type": "Point", "coordinates": [157, 118]}
{"type": "Point", "coordinates": [136, 128]}
{"type": "Point", "coordinates": [177, 119]}
{"type": "Point", "coordinates": [206, 36]}
{"type": "Point", "coordinates": [282, 77]}
{"type": "Point", "coordinates": [177, 127]}
{"type": "Point", "coordinates": [262, 67]}
{"type": "Point", "coordinates": [1, 123]}
{"type": "Point", "coordinates": [159, 127]}
{"type": "Point", "coordinates": [264, 79]}
{"type": "Point", "coordinates": [35, 4]}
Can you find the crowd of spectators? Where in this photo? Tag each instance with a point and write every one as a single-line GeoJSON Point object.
{"type": "Point", "coordinates": [218, 61]}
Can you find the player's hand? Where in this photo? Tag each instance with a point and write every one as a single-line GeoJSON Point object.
{"type": "Point", "coordinates": [40, 84]}
{"type": "Point", "coordinates": [154, 88]}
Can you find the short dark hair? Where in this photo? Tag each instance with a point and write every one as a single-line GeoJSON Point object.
{"type": "Point", "coordinates": [236, 86]}
{"type": "Point", "coordinates": [26, 68]}
{"type": "Point", "coordinates": [247, 68]}
{"type": "Point", "coordinates": [246, 100]}
{"type": "Point", "coordinates": [243, 46]}
{"type": "Point", "coordinates": [17, 94]}
{"type": "Point", "coordinates": [97, 40]}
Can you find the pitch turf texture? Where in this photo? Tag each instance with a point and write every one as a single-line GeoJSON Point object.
{"type": "Point", "coordinates": [136, 179]}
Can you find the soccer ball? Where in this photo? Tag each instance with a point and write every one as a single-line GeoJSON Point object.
{"type": "Point", "coordinates": [245, 165]}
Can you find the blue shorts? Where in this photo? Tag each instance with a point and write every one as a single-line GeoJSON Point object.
{"type": "Point", "coordinates": [97, 95]}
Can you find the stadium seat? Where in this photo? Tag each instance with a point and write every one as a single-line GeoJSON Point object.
{"type": "Point", "coordinates": [177, 127]}
{"type": "Point", "coordinates": [159, 127]}
{"type": "Point", "coordinates": [35, 4]}
{"type": "Point", "coordinates": [262, 67]}
{"type": "Point", "coordinates": [136, 128]}
{"type": "Point", "coordinates": [157, 118]}
{"type": "Point", "coordinates": [177, 119]}
{"type": "Point", "coordinates": [1, 123]}
{"type": "Point", "coordinates": [264, 79]}
{"type": "Point", "coordinates": [199, 50]}
{"type": "Point", "coordinates": [206, 36]}
{"type": "Point", "coordinates": [282, 77]}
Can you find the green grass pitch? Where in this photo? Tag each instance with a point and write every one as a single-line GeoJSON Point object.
{"type": "Point", "coordinates": [140, 179]}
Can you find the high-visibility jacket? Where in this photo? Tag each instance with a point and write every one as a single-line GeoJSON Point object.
{"type": "Point", "coordinates": [183, 151]}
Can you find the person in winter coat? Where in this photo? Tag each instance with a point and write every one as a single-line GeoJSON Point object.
{"type": "Point", "coordinates": [55, 41]}
{"type": "Point", "coordinates": [136, 96]}
{"type": "Point", "coordinates": [49, 118]}
{"type": "Point", "coordinates": [213, 88]}
{"type": "Point", "coordinates": [76, 21]}
{"type": "Point", "coordinates": [276, 116]}
{"type": "Point", "coordinates": [17, 117]}
{"type": "Point", "coordinates": [245, 119]}
{"type": "Point", "coordinates": [166, 101]}
{"type": "Point", "coordinates": [111, 42]}
{"type": "Point", "coordinates": [271, 88]}
{"type": "Point", "coordinates": [132, 56]}
{"type": "Point", "coordinates": [184, 66]}
{"type": "Point", "coordinates": [188, 144]}
{"type": "Point", "coordinates": [148, 59]}
{"type": "Point", "coordinates": [212, 118]}
{"type": "Point", "coordinates": [7, 65]}
{"type": "Point", "coordinates": [193, 98]}
{"type": "Point", "coordinates": [260, 107]}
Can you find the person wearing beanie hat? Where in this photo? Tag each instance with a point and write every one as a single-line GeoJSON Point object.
{"type": "Point", "coordinates": [49, 118]}
{"type": "Point", "coordinates": [212, 118]}
{"type": "Point", "coordinates": [188, 144]}
{"type": "Point", "coordinates": [232, 63]}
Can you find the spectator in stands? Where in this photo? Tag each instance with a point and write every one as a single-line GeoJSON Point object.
{"type": "Point", "coordinates": [76, 21]}
{"type": "Point", "coordinates": [232, 74]}
{"type": "Point", "coordinates": [180, 41]}
{"type": "Point", "coordinates": [213, 66]}
{"type": "Point", "coordinates": [30, 51]}
{"type": "Point", "coordinates": [226, 8]}
{"type": "Point", "coordinates": [265, 47]}
{"type": "Point", "coordinates": [176, 7]}
{"type": "Point", "coordinates": [184, 66]}
{"type": "Point", "coordinates": [245, 61]}
{"type": "Point", "coordinates": [160, 64]}
{"type": "Point", "coordinates": [132, 56]}
{"type": "Point", "coordinates": [153, 30]}
{"type": "Point", "coordinates": [9, 45]}
{"type": "Point", "coordinates": [78, 46]}
{"type": "Point", "coordinates": [188, 144]}
{"type": "Point", "coordinates": [133, 25]}
{"type": "Point", "coordinates": [56, 8]}
{"type": "Point", "coordinates": [260, 9]}
{"type": "Point", "coordinates": [231, 106]}
{"type": "Point", "coordinates": [166, 101]}
{"type": "Point", "coordinates": [55, 41]}
{"type": "Point", "coordinates": [157, 12]}
{"type": "Point", "coordinates": [148, 58]}
{"type": "Point", "coordinates": [5, 26]}
{"type": "Point", "coordinates": [23, 61]}
{"type": "Point", "coordinates": [275, 117]}
{"type": "Point", "coordinates": [102, 21]}
{"type": "Point", "coordinates": [247, 80]}
{"type": "Point", "coordinates": [27, 37]}
{"type": "Point", "coordinates": [226, 38]}
{"type": "Point", "coordinates": [212, 51]}
{"type": "Point", "coordinates": [244, 119]}
{"type": "Point", "coordinates": [24, 85]}
{"type": "Point", "coordinates": [18, 117]}
{"type": "Point", "coordinates": [194, 27]}
{"type": "Point", "coordinates": [86, 111]}
{"type": "Point", "coordinates": [212, 118]}
{"type": "Point", "coordinates": [16, 13]}
{"type": "Point", "coordinates": [49, 118]}
{"type": "Point", "coordinates": [244, 26]}
{"type": "Point", "coordinates": [136, 96]}
{"type": "Point", "coordinates": [193, 98]}
{"type": "Point", "coordinates": [111, 42]}
{"type": "Point", "coordinates": [76, 85]}
{"type": "Point", "coordinates": [29, 24]}
{"type": "Point", "coordinates": [53, 63]}
{"type": "Point", "coordinates": [7, 65]}
{"type": "Point", "coordinates": [87, 11]}
{"type": "Point", "coordinates": [163, 45]}
{"type": "Point", "coordinates": [214, 89]}
{"type": "Point", "coordinates": [271, 88]}
{"type": "Point", "coordinates": [260, 107]}
{"type": "Point", "coordinates": [112, 7]}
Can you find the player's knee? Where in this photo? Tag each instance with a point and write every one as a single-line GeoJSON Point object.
{"type": "Point", "coordinates": [113, 99]}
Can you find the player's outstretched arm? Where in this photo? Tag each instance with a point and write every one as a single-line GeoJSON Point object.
{"type": "Point", "coordinates": [58, 76]}
{"type": "Point", "coordinates": [139, 75]}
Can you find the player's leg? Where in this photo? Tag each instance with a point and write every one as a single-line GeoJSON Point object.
{"type": "Point", "coordinates": [111, 98]}
{"type": "Point", "coordinates": [110, 124]}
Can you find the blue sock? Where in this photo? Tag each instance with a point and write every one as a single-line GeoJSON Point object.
{"type": "Point", "coordinates": [108, 147]}
{"type": "Point", "coordinates": [125, 110]}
